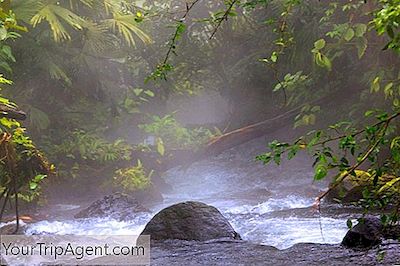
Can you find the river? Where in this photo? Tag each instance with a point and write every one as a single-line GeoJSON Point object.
{"type": "Point", "coordinates": [265, 204]}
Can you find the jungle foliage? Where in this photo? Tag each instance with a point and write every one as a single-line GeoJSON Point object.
{"type": "Point", "coordinates": [363, 150]}
{"type": "Point", "coordinates": [96, 77]}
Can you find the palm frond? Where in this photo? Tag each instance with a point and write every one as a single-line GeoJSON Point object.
{"type": "Point", "coordinates": [88, 3]}
{"type": "Point", "coordinates": [26, 9]}
{"type": "Point", "coordinates": [37, 118]}
{"type": "Point", "coordinates": [74, 4]}
{"type": "Point", "coordinates": [52, 14]}
{"type": "Point", "coordinates": [56, 72]}
{"type": "Point", "coordinates": [112, 5]}
{"type": "Point", "coordinates": [96, 38]}
{"type": "Point", "coordinates": [126, 26]}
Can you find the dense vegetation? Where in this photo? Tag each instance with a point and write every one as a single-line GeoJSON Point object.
{"type": "Point", "coordinates": [96, 77]}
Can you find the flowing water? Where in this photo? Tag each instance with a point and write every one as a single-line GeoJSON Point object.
{"type": "Point", "coordinates": [268, 205]}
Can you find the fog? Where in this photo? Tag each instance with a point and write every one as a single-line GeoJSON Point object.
{"type": "Point", "coordinates": [253, 107]}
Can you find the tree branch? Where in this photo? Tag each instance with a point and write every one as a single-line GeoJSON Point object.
{"type": "Point", "coordinates": [360, 162]}
{"type": "Point", "coordinates": [224, 17]}
{"type": "Point", "coordinates": [176, 34]}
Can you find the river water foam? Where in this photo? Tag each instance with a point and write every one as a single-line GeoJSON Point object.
{"type": "Point", "coordinates": [232, 183]}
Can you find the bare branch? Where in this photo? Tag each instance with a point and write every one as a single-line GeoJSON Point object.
{"type": "Point", "coordinates": [224, 17]}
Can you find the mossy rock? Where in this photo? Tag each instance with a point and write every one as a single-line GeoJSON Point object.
{"type": "Point", "coordinates": [351, 189]}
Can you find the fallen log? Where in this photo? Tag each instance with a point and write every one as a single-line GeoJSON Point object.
{"type": "Point", "coordinates": [11, 113]}
{"type": "Point", "coordinates": [241, 135]}
{"type": "Point", "coordinates": [247, 133]}
{"type": "Point", "coordinates": [268, 126]}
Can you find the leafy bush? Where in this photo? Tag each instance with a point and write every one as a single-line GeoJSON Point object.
{"type": "Point", "coordinates": [175, 136]}
{"type": "Point", "coordinates": [84, 146]}
{"type": "Point", "coordinates": [132, 178]}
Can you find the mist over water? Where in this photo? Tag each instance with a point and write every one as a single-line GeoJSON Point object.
{"type": "Point", "coordinates": [257, 204]}
{"type": "Point", "coordinates": [124, 108]}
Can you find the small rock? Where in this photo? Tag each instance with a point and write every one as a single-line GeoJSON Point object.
{"type": "Point", "coordinates": [257, 194]}
{"type": "Point", "coordinates": [118, 206]}
{"type": "Point", "coordinates": [148, 196]}
{"type": "Point", "coordinates": [365, 234]}
{"type": "Point", "coordinates": [9, 229]}
{"type": "Point", "coordinates": [189, 221]}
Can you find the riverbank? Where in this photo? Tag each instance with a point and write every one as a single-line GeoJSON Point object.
{"type": "Point", "coordinates": [246, 253]}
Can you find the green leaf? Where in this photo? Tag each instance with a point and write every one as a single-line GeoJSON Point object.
{"type": "Point", "coordinates": [349, 34]}
{"type": "Point", "coordinates": [277, 87]}
{"type": "Point", "coordinates": [265, 158]}
{"type": "Point", "coordinates": [160, 146]}
{"type": "Point", "coordinates": [396, 102]}
{"type": "Point", "coordinates": [361, 45]}
{"type": "Point", "coordinates": [33, 185]}
{"type": "Point", "coordinates": [9, 123]}
{"type": "Point", "coordinates": [327, 62]}
{"type": "Point", "coordinates": [388, 89]}
{"type": "Point", "coordinates": [369, 113]}
{"type": "Point", "coordinates": [375, 86]}
{"type": "Point", "coordinates": [320, 172]}
{"type": "Point", "coordinates": [274, 57]}
{"type": "Point", "coordinates": [311, 119]}
{"type": "Point", "coordinates": [137, 91]}
{"type": "Point", "coordinates": [319, 44]}
{"type": "Point", "coordinates": [293, 151]}
{"type": "Point", "coordinates": [389, 184]}
{"type": "Point", "coordinates": [360, 29]}
{"type": "Point", "coordinates": [149, 93]}
{"type": "Point", "coordinates": [180, 29]}
{"type": "Point", "coordinates": [315, 109]}
{"type": "Point", "coordinates": [349, 223]}
{"type": "Point", "coordinates": [277, 158]}
{"type": "Point", "coordinates": [3, 33]}
{"type": "Point", "coordinates": [39, 178]}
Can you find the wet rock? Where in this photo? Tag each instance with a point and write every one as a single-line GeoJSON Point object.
{"type": "Point", "coordinates": [9, 229]}
{"type": "Point", "coordinates": [353, 195]}
{"type": "Point", "coordinates": [245, 253]}
{"type": "Point", "coordinates": [365, 234]}
{"type": "Point", "coordinates": [391, 232]}
{"type": "Point", "coordinates": [346, 193]}
{"type": "Point", "coordinates": [350, 191]}
{"type": "Point", "coordinates": [190, 221]}
{"type": "Point", "coordinates": [148, 196]}
{"type": "Point", "coordinates": [118, 206]}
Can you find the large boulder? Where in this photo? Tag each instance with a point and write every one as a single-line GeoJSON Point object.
{"type": "Point", "coordinates": [118, 206]}
{"type": "Point", "coordinates": [189, 221]}
{"type": "Point", "coordinates": [367, 233]}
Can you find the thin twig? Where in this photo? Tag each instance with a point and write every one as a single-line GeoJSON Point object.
{"type": "Point", "coordinates": [3, 208]}
{"type": "Point", "coordinates": [276, 75]}
{"type": "Point", "coordinates": [345, 135]}
{"type": "Point", "coordinates": [176, 34]}
{"type": "Point", "coordinates": [224, 17]}
{"type": "Point", "coordinates": [359, 163]}
{"type": "Point", "coordinates": [16, 207]}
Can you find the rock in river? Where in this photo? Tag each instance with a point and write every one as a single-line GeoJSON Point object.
{"type": "Point", "coordinates": [118, 206]}
{"type": "Point", "coordinates": [190, 221]}
{"type": "Point", "coordinates": [366, 233]}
